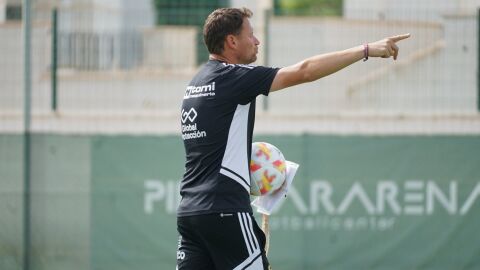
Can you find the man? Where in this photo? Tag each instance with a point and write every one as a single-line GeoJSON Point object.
{"type": "Point", "coordinates": [215, 222]}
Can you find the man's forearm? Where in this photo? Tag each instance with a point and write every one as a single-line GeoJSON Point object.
{"type": "Point", "coordinates": [319, 66]}
{"type": "Point", "coordinates": [316, 67]}
{"type": "Point", "coordinates": [323, 65]}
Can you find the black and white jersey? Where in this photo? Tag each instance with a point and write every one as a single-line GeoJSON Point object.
{"type": "Point", "coordinates": [217, 119]}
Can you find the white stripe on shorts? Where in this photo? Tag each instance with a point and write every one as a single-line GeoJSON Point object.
{"type": "Point", "coordinates": [251, 236]}
{"type": "Point", "coordinates": [254, 260]}
{"type": "Point", "coordinates": [250, 226]}
{"type": "Point", "coordinates": [246, 233]}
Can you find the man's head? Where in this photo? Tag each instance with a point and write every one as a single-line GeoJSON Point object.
{"type": "Point", "coordinates": [227, 32]}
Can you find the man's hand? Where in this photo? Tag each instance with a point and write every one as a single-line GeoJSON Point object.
{"type": "Point", "coordinates": [386, 47]}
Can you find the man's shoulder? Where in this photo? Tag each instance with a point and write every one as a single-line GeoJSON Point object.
{"type": "Point", "coordinates": [222, 71]}
{"type": "Point", "coordinates": [239, 66]}
{"type": "Point", "coordinates": [227, 66]}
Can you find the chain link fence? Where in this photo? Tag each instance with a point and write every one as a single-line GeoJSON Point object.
{"type": "Point", "coordinates": [117, 71]}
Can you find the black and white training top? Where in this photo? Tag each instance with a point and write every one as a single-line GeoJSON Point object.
{"type": "Point", "coordinates": [218, 115]}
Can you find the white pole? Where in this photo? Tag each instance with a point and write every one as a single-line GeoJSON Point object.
{"type": "Point", "coordinates": [3, 11]}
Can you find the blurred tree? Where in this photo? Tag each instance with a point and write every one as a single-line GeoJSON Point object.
{"type": "Point", "coordinates": [308, 7]}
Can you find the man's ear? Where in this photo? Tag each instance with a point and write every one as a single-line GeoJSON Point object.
{"type": "Point", "coordinates": [231, 41]}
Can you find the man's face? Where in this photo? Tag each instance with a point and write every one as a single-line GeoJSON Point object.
{"type": "Point", "coordinates": [247, 48]}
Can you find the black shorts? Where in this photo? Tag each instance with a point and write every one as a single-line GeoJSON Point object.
{"type": "Point", "coordinates": [222, 241]}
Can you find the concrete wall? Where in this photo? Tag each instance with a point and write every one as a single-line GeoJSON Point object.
{"type": "Point", "coordinates": [138, 14]}
{"type": "Point", "coordinates": [170, 47]}
{"type": "Point", "coordinates": [91, 16]}
{"type": "Point", "coordinates": [410, 85]}
{"type": "Point", "coordinates": [97, 15]}
{"type": "Point", "coordinates": [412, 10]}
{"type": "Point", "coordinates": [439, 78]}
{"type": "Point", "coordinates": [147, 90]}
{"type": "Point", "coordinates": [406, 10]}
{"type": "Point", "coordinates": [11, 65]}
{"type": "Point", "coordinates": [435, 73]}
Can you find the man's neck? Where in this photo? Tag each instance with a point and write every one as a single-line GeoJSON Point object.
{"type": "Point", "coordinates": [223, 58]}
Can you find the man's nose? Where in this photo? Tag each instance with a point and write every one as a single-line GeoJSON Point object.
{"type": "Point", "coordinates": [257, 42]}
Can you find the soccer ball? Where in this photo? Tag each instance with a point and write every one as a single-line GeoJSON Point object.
{"type": "Point", "coordinates": [267, 168]}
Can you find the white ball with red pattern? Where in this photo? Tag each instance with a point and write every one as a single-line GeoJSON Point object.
{"type": "Point", "coordinates": [267, 167]}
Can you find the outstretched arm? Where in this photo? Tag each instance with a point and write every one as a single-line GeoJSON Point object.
{"type": "Point", "coordinates": [316, 67]}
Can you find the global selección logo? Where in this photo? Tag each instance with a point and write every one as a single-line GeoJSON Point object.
{"type": "Point", "coordinates": [189, 130]}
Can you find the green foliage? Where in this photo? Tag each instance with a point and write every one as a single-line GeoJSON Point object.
{"type": "Point", "coordinates": [309, 7]}
{"type": "Point", "coordinates": [185, 12]}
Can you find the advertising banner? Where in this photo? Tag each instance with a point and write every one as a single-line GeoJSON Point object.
{"type": "Point", "coordinates": [358, 202]}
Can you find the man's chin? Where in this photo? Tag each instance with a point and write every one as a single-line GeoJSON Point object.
{"type": "Point", "coordinates": [249, 60]}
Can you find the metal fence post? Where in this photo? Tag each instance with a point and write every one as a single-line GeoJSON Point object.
{"type": "Point", "coordinates": [54, 59]}
{"type": "Point", "coordinates": [27, 83]}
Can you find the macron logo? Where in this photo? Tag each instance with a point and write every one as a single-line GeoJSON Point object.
{"type": "Point", "coordinates": [190, 115]}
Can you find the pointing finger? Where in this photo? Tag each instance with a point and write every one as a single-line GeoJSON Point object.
{"type": "Point", "coordinates": [399, 37]}
{"type": "Point", "coordinates": [391, 51]}
{"type": "Point", "coordinates": [395, 49]}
